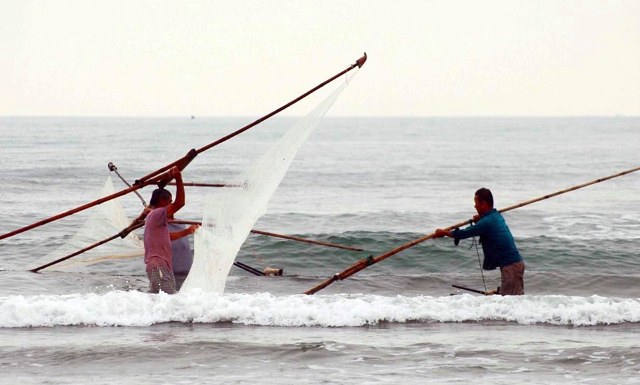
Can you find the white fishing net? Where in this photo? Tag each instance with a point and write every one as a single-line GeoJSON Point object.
{"type": "Point", "coordinates": [230, 215]}
{"type": "Point", "coordinates": [105, 220]}
{"type": "Point", "coordinates": [227, 220]}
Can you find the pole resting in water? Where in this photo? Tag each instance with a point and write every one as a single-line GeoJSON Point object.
{"type": "Point", "coordinates": [473, 290]}
{"type": "Point", "coordinates": [283, 236]}
{"type": "Point", "coordinates": [366, 262]}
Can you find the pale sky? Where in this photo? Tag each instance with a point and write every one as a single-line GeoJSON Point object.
{"type": "Point", "coordinates": [245, 58]}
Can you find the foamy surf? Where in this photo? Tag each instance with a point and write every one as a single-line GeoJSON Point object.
{"type": "Point", "coordinates": [132, 308]}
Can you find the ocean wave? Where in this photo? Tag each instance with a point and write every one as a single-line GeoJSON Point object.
{"type": "Point", "coordinates": [133, 308]}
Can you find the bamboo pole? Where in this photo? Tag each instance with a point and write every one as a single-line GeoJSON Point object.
{"type": "Point", "coordinates": [359, 63]}
{"type": "Point", "coordinates": [366, 262]}
{"type": "Point", "coordinates": [305, 240]}
{"type": "Point", "coordinates": [121, 234]}
{"type": "Point", "coordinates": [289, 237]}
{"type": "Point", "coordinates": [195, 184]}
{"type": "Point", "coordinates": [160, 176]}
{"type": "Point", "coordinates": [248, 268]}
{"type": "Point", "coordinates": [471, 290]}
{"type": "Point", "coordinates": [73, 211]}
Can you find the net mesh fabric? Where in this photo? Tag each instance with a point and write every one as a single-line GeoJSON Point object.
{"type": "Point", "coordinates": [230, 215]}
{"type": "Point", "coordinates": [104, 221]}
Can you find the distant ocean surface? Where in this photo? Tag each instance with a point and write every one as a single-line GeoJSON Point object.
{"type": "Point", "coordinates": [370, 182]}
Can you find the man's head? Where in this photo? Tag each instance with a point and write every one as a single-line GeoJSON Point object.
{"type": "Point", "coordinates": [484, 201]}
{"type": "Point", "coordinates": [160, 198]}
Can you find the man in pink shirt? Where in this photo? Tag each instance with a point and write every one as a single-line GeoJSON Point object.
{"type": "Point", "coordinates": [157, 241]}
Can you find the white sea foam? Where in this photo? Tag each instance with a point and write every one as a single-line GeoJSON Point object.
{"type": "Point", "coordinates": [119, 308]}
{"type": "Point", "coordinates": [590, 227]}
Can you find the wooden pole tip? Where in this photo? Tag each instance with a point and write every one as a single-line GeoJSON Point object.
{"type": "Point", "coordinates": [360, 62]}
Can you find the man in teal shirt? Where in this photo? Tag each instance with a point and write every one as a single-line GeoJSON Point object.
{"type": "Point", "coordinates": [497, 242]}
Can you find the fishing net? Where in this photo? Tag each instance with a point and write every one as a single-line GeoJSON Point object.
{"type": "Point", "coordinates": [230, 215]}
{"type": "Point", "coordinates": [104, 221]}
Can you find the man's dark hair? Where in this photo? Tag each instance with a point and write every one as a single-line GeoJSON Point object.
{"type": "Point", "coordinates": [484, 195]}
{"type": "Point", "coordinates": [158, 194]}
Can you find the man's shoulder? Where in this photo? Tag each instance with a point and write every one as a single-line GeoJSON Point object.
{"type": "Point", "coordinates": [490, 216]}
{"type": "Point", "coordinates": [493, 214]}
{"type": "Point", "coordinates": [492, 219]}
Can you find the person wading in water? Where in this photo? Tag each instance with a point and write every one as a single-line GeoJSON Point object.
{"type": "Point", "coordinates": [157, 239]}
{"type": "Point", "coordinates": [498, 246]}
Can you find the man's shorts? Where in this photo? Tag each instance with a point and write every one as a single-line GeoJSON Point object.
{"type": "Point", "coordinates": [512, 279]}
{"type": "Point", "coordinates": [161, 279]}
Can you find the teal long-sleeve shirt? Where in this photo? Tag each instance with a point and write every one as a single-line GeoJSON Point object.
{"type": "Point", "coordinates": [498, 245]}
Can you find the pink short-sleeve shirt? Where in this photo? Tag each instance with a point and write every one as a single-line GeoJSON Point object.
{"type": "Point", "coordinates": [157, 244]}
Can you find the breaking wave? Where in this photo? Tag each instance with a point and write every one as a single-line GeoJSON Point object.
{"type": "Point", "coordinates": [133, 308]}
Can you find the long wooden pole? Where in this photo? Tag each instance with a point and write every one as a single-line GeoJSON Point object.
{"type": "Point", "coordinates": [306, 240]}
{"type": "Point", "coordinates": [248, 268]}
{"type": "Point", "coordinates": [283, 236]}
{"type": "Point", "coordinates": [156, 177]}
{"type": "Point", "coordinates": [470, 289]}
{"type": "Point", "coordinates": [366, 262]}
{"type": "Point", "coordinates": [359, 63]}
{"type": "Point", "coordinates": [196, 184]}
{"type": "Point", "coordinates": [121, 234]}
{"type": "Point", "coordinates": [72, 211]}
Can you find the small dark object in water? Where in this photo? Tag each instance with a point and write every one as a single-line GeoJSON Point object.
{"type": "Point", "coordinates": [272, 271]}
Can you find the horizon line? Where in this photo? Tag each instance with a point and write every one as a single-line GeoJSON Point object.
{"type": "Point", "coordinates": [194, 117]}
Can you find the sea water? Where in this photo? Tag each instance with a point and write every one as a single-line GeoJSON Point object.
{"type": "Point", "coordinates": [376, 183]}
